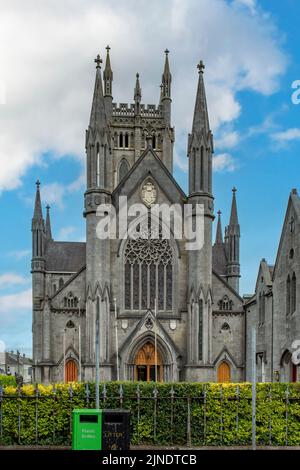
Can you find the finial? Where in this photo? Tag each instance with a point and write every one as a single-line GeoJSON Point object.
{"type": "Point", "coordinates": [38, 184]}
{"type": "Point", "coordinates": [234, 190]}
{"type": "Point", "coordinates": [219, 212]}
{"type": "Point", "coordinates": [137, 75]}
{"type": "Point", "coordinates": [201, 66]}
{"type": "Point", "coordinates": [108, 49]}
{"type": "Point", "coordinates": [167, 52]}
{"type": "Point", "coordinates": [48, 207]}
{"type": "Point", "coordinates": [98, 61]}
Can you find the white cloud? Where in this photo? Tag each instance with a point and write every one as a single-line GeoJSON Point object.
{"type": "Point", "coordinates": [48, 73]}
{"type": "Point", "coordinates": [19, 302]}
{"type": "Point", "coordinates": [19, 254]}
{"type": "Point", "coordinates": [227, 140]}
{"type": "Point", "coordinates": [286, 136]}
{"type": "Point", "coordinates": [52, 193]}
{"type": "Point", "coordinates": [66, 232]}
{"type": "Point", "coordinates": [250, 4]}
{"type": "Point", "coordinates": [223, 162]}
{"type": "Point", "coordinates": [12, 279]}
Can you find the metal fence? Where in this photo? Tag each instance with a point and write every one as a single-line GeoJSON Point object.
{"type": "Point", "coordinates": [170, 419]}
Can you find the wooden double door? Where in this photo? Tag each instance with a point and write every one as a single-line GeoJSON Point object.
{"type": "Point", "coordinates": [146, 367]}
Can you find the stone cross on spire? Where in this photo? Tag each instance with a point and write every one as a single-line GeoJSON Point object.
{"type": "Point", "coordinates": [98, 61]}
{"type": "Point", "coordinates": [201, 66]}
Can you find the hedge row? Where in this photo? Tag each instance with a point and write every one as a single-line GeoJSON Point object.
{"type": "Point", "coordinates": [181, 413]}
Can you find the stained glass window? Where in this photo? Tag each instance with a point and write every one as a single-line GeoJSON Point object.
{"type": "Point", "coordinates": [136, 282]}
{"type": "Point", "coordinates": [127, 286]}
{"type": "Point", "coordinates": [152, 262]}
{"type": "Point", "coordinates": [161, 275]}
{"type": "Point", "coordinates": [169, 285]}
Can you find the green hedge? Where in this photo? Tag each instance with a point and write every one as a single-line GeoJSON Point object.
{"type": "Point", "coordinates": [7, 380]}
{"type": "Point", "coordinates": [195, 413]}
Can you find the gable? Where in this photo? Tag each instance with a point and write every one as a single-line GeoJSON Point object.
{"type": "Point", "coordinates": [264, 276]}
{"type": "Point", "coordinates": [220, 289]}
{"type": "Point", "coordinates": [288, 239]}
{"type": "Point", "coordinates": [149, 165]}
{"type": "Point", "coordinates": [75, 285]}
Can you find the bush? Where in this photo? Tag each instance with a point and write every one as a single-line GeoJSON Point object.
{"type": "Point", "coordinates": [6, 380]}
{"type": "Point", "coordinates": [179, 413]}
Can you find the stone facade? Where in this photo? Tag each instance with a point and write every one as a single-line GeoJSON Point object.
{"type": "Point", "coordinates": [199, 325]}
{"type": "Point", "coordinates": [274, 308]}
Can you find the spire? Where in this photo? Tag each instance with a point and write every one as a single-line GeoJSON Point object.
{"type": "Point", "coordinates": [233, 216]}
{"type": "Point", "coordinates": [38, 213]}
{"type": "Point", "coordinates": [200, 120]}
{"type": "Point", "coordinates": [107, 75]}
{"type": "Point", "coordinates": [166, 78]}
{"type": "Point", "coordinates": [219, 236]}
{"type": "Point", "coordinates": [137, 89]}
{"type": "Point", "coordinates": [98, 115]}
{"type": "Point", "coordinates": [48, 224]}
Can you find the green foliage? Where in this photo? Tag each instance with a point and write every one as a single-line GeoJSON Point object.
{"type": "Point", "coordinates": [7, 380]}
{"type": "Point", "coordinates": [180, 413]}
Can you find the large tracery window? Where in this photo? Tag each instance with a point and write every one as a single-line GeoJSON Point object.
{"type": "Point", "coordinates": [148, 273]}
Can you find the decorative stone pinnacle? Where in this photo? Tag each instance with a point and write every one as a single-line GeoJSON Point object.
{"type": "Point", "coordinates": [98, 61]}
{"type": "Point", "coordinates": [201, 66]}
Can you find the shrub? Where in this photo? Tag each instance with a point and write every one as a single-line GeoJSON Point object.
{"type": "Point", "coordinates": [179, 413]}
{"type": "Point", "coordinates": [7, 380]}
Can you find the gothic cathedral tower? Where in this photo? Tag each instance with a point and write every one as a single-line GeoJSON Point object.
{"type": "Point", "coordinates": [200, 149]}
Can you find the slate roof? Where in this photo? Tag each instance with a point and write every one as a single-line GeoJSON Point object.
{"type": "Point", "coordinates": [65, 256]}
{"type": "Point", "coordinates": [219, 258]}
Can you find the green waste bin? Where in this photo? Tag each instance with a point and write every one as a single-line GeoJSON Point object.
{"type": "Point", "coordinates": [87, 429]}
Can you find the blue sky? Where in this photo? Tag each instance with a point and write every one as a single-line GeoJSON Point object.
{"type": "Point", "coordinates": [251, 53]}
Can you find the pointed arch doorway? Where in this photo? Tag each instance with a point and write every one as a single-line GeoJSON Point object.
{"type": "Point", "coordinates": [145, 364]}
{"type": "Point", "coordinates": [224, 372]}
{"type": "Point", "coordinates": [71, 371]}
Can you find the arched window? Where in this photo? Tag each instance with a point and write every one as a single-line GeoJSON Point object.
{"type": "Point", "coordinates": [200, 330]}
{"type": "Point", "coordinates": [225, 303]}
{"type": "Point", "coordinates": [60, 282]}
{"type": "Point", "coordinates": [148, 271]}
{"type": "Point", "coordinates": [193, 171]}
{"type": "Point", "coordinates": [288, 295]}
{"type": "Point", "coordinates": [123, 169]}
{"type": "Point", "coordinates": [54, 288]}
{"type": "Point", "coordinates": [98, 164]}
{"type": "Point", "coordinates": [201, 168]}
{"type": "Point", "coordinates": [70, 301]}
{"type": "Point", "coordinates": [262, 308]}
{"type": "Point", "coordinates": [293, 293]}
{"type": "Point", "coordinates": [153, 141]}
{"type": "Point", "coordinates": [126, 140]}
{"type": "Point", "coordinates": [121, 140]}
{"type": "Point", "coordinates": [159, 141]}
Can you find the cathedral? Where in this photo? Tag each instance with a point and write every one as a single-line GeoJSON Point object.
{"type": "Point", "coordinates": [158, 310]}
